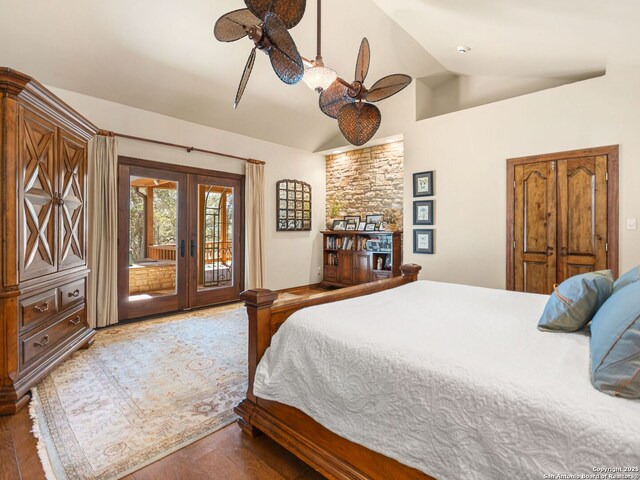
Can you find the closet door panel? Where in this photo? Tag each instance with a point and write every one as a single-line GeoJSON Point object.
{"type": "Point", "coordinates": [582, 206]}
{"type": "Point", "coordinates": [72, 171]}
{"type": "Point", "coordinates": [535, 227]}
{"type": "Point", "coordinates": [37, 191]}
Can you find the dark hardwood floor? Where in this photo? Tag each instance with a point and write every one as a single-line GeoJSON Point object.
{"type": "Point", "coordinates": [226, 454]}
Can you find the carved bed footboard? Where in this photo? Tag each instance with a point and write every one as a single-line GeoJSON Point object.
{"type": "Point", "coordinates": [330, 454]}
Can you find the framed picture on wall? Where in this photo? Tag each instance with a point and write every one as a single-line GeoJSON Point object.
{"type": "Point", "coordinates": [423, 184]}
{"type": "Point", "coordinates": [423, 212]}
{"type": "Point", "coordinates": [423, 241]}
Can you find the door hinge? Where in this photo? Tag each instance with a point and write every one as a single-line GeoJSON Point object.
{"type": "Point", "coordinates": [514, 245]}
{"type": "Point", "coordinates": [606, 176]}
{"type": "Point", "coordinates": [606, 247]}
{"type": "Point", "coordinates": [514, 184]}
{"type": "Point", "coordinates": [553, 166]}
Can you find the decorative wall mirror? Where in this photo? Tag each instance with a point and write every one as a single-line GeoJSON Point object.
{"type": "Point", "coordinates": [293, 198]}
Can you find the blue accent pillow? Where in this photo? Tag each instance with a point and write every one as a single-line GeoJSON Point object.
{"type": "Point", "coordinates": [574, 303]}
{"type": "Point", "coordinates": [632, 276]}
{"type": "Point", "coordinates": [615, 344]}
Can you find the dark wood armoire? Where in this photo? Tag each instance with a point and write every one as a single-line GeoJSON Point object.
{"type": "Point", "coordinates": [43, 163]}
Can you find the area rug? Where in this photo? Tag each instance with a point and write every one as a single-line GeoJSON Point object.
{"type": "Point", "coordinates": [141, 392]}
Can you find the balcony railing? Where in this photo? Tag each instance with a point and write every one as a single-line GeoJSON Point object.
{"type": "Point", "coordinates": [223, 254]}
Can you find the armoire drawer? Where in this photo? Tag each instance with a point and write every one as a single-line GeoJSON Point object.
{"type": "Point", "coordinates": [72, 294]}
{"type": "Point", "coordinates": [35, 345]}
{"type": "Point", "coordinates": [38, 309]}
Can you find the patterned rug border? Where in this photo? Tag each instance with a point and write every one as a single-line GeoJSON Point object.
{"type": "Point", "coordinates": [48, 454]}
{"type": "Point", "coordinates": [50, 460]}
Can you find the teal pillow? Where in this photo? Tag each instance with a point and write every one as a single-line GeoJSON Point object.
{"type": "Point", "coordinates": [615, 344]}
{"type": "Point", "coordinates": [632, 276]}
{"type": "Point", "coordinates": [574, 303]}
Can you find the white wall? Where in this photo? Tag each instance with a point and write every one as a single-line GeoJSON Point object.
{"type": "Point", "coordinates": [293, 259]}
{"type": "Point", "coordinates": [468, 151]}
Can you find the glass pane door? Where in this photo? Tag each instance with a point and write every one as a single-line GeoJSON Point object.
{"type": "Point", "coordinates": [217, 259]}
{"type": "Point", "coordinates": [153, 243]}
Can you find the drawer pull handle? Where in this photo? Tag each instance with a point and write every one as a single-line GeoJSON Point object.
{"type": "Point", "coordinates": [42, 343]}
{"type": "Point", "coordinates": [75, 321]}
{"type": "Point", "coordinates": [75, 293]}
{"type": "Point", "coordinates": [42, 308]}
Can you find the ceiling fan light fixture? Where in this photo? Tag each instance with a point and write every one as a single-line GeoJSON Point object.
{"type": "Point", "coordinates": [318, 77]}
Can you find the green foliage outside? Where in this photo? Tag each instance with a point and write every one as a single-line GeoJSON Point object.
{"type": "Point", "coordinates": [165, 219]}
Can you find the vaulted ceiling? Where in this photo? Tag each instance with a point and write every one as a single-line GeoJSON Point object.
{"type": "Point", "coordinates": [160, 55]}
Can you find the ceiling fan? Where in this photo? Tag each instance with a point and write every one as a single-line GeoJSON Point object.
{"type": "Point", "coordinates": [266, 23]}
{"type": "Point", "coordinates": [351, 103]}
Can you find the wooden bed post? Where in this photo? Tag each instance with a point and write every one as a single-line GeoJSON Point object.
{"type": "Point", "coordinates": [410, 270]}
{"type": "Point", "coordinates": [258, 303]}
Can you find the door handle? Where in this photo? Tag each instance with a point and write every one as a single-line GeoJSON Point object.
{"type": "Point", "coordinates": [182, 247]}
{"type": "Point", "coordinates": [563, 252]}
{"type": "Point", "coordinates": [193, 248]}
{"type": "Point", "coordinates": [550, 251]}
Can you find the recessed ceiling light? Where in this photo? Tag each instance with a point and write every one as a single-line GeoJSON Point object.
{"type": "Point", "coordinates": [463, 49]}
{"type": "Point", "coordinates": [336, 152]}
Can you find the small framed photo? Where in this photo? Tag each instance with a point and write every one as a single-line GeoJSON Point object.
{"type": "Point", "coordinates": [361, 226]}
{"type": "Point", "coordinates": [339, 225]}
{"type": "Point", "coordinates": [423, 241]}
{"type": "Point", "coordinates": [423, 184]}
{"type": "Point", "coordinates": [423, 212]}
{"type": "Point", "coordinates": [370, 227]}
{"type": "Point", "coordinates": [353, 219]}
{"type": "Point", "coordinates": [351, 227]}
{"type": "Point", "coordinates": [376, 218]}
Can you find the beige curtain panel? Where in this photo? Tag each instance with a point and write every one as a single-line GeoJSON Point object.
{"type": "Point", "coordinates": [255, 225]}
{"type": "Point", "coordinates": [102, 298]}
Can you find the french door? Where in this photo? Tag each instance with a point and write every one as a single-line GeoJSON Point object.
{"type": "Point", "coordinates": [181, 238]}
{"type": "Point", "coordinates": [563, 217]}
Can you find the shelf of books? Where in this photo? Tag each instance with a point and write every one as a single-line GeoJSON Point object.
{"type": "Point", "coordinates": [352, 258]}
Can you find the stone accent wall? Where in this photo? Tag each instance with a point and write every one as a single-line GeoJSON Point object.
{"type": "Point", "coordinates": [151, 278]}
{"type": "Point", "coordinates": [366, 181]}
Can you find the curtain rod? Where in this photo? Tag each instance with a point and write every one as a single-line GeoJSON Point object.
{"type": "Point", "coordinates": [107, 133]}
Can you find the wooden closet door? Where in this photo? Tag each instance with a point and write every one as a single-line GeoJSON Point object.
{"type": "Point", "coordinates": [535, 227]}
{"type": "Point", "coordinates": [72, 188]}
{"type": "Point", "coordinates": [582, 212]}
{"type": "Point", "coordinates": [37, 192]}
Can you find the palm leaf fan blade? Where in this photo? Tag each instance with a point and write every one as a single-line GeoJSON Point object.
{"type": "Point", "coordinates": [364, 60]}
{"type": "Point", "coordinates": [359, 122]}
{"type": "Point", "coordinates": [289, 11]}
{"type": "Point", "coordinates": [334, 98]}
{"type": "Point", "coordinates": [233, 25]}
{"type": "Point", "coordinates": [387, 86]}
{"type": "Point", "coordinates": [245, 77]}
{"type": "Point", "coordinates": [283, 53]}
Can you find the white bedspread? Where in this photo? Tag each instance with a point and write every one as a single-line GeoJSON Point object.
{"type": "Point", "coordinates": [455, 381]}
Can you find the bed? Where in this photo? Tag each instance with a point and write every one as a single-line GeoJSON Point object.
{"type": "Point", "coordinates": [407, 379]}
